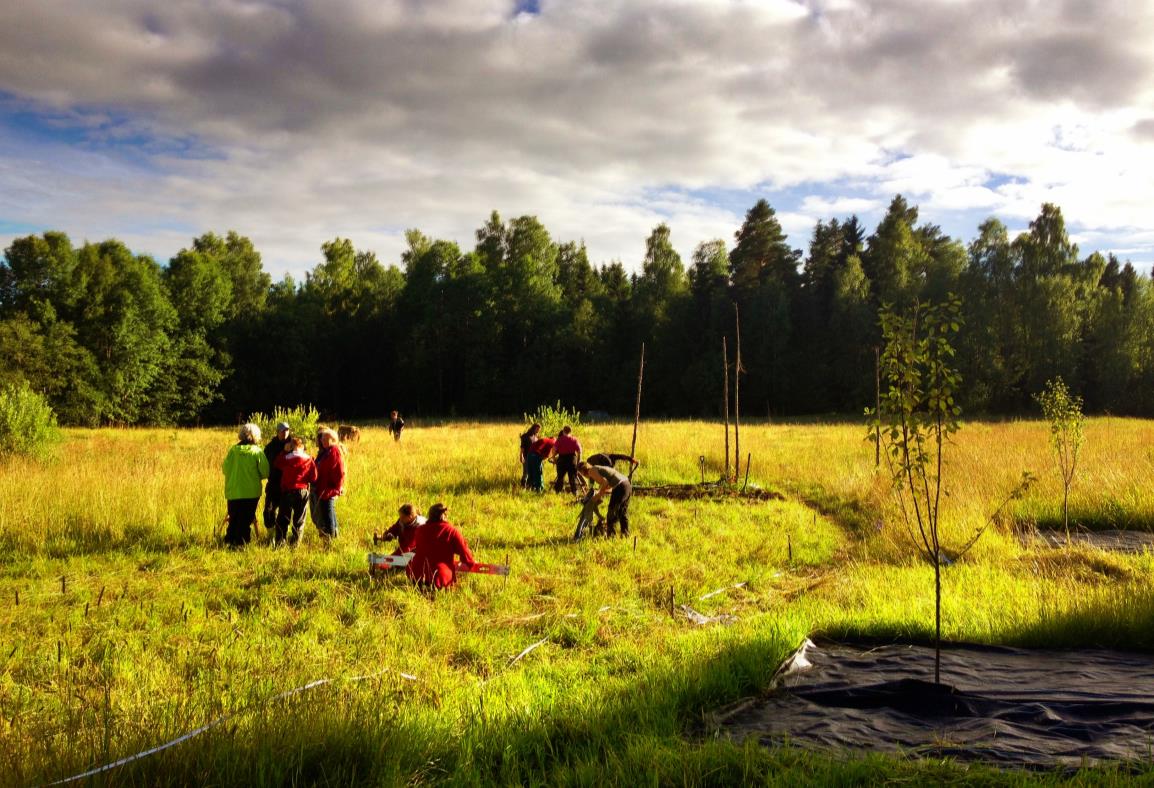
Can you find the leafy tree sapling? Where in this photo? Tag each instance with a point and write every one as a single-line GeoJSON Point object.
{"type": "Point", "coordinates": [921, 414]}
{"type": "Point", "coordinates": [1064, 412]}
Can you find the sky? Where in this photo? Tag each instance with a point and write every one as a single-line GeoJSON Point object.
{"type": "Point", "coordinates": [295, 122]}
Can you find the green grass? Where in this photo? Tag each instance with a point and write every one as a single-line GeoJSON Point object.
{"type": "Point", "coordinates": [156, 631]}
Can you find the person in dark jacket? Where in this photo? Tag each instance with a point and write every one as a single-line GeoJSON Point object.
{"type": "Point", "coordinates": [396, 425]}
{"type": "Point", "coordinates": [527, 438]}
{"type": "Point", "coordinates": [438, 542]}
{"type": "Point", "coordinates": [298, 471]}
{"type": "Point", "coordinates": [329, 484]}
{"type": "Point", "coordinates": [273, 449]}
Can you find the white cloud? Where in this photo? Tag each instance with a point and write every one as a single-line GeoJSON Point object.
{"type": "Point", "coordinates": [362, 117]}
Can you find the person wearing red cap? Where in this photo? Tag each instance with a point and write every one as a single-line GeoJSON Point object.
{"type": "Point", "coordinates": [437, 543]}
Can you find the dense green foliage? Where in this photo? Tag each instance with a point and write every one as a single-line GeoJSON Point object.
{"type": "Point", "coordinates": [27, 424]}
{"type": "Point", "coordinates": [111, 337]}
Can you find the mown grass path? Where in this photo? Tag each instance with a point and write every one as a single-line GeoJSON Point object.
{"type": "Point", "coordinates": [153, 631]}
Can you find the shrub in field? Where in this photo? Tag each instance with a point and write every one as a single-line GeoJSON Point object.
{"type": "Point", "coordinates": [1064, 412]}
{"type": "Point", "coordinates": [303, 420]}
{"type": "Point", "coordinates": [553, 417]}
{"type": "Point", "coordinates": [27, 423]}
{"type": "Point", "coordinates": [920, 416]}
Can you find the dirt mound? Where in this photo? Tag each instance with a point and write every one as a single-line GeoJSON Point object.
{"type": "Point", "coordinates": [685, 492]}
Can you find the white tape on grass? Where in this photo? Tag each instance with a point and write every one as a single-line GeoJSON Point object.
{"type": "Point", "coordinates": [194, 733]}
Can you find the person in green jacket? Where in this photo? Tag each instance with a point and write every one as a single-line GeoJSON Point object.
{"type": "Point", "coordinates": [245, 466]}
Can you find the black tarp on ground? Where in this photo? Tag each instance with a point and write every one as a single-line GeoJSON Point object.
{"type": "Point", "coordinates": [1001, 705]}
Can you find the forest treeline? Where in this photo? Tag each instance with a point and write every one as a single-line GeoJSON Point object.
{"type": "Point", "coordinates": [109, 337]}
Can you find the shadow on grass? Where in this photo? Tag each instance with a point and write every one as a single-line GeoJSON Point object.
{"type": "Point", "coordinates": [627, 734]}
{"type": "Point", "coordinates": [644, 728]}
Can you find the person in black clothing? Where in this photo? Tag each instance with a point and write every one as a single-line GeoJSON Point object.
{"type": "Point", "coordinates": [616, 484]}
{"type": "Point", "coordinates": [527, 438]}
{"type": "Point", "coordinates": [273, 449]}
{"type": "Point", "coordinates": [396, 425]}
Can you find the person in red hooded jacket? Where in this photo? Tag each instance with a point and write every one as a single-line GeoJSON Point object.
{"type": "Point", "coordinates": [297, 472]}
{"type": "Point", "coordinates": [329, 484]}
{"type": "Point", "coordinates": [437, 543]}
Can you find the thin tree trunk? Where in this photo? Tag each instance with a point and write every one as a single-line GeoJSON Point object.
{"type": "Point", "coordinates": [737, 398]}
{"type": "Point", "coordinates": [637, 409]}
{"type": "Point", "coordinates": [937, 619]}
{"type": "Point", "coordinates": [725, 401]}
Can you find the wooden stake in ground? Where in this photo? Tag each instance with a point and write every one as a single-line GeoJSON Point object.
{"type": "Point", "coordinates": [737, 370]}
{"type": "Point", "coordinates": [878, 405]}
{"type": "Point", "coordinates": [725, 401]}
{"type": "Point", "coordinates": [637, 410]}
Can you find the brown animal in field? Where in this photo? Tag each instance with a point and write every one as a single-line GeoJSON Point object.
{"type": "Point", "coordinates": [347, 433]}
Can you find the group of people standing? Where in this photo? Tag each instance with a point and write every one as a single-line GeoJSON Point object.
{"type": "Point", "coordinates": [565, 452]}
{"type": "Point", "coordinates": [295, 481]}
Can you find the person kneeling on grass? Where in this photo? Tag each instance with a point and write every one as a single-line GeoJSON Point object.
{"type": "Point", "coordinates": [244, 466]}
{"type": "Point", "coordinates": [437, 543]}
{"type": "Point", "coordinates": [620, 491]}
{"type": "Point", "coordinates": [297, 472]}
{"type": "Point", "coordinates": [404, 530]}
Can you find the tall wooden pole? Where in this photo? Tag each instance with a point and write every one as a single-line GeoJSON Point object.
{"type": "Point", "coordinates": [725, 401]}
{"type": "Point", "coordinates": [878, 406]}
{"type": "Point", "coordinates": [637, 409]}
{"type": "Point", "coordinates": [737, 397]}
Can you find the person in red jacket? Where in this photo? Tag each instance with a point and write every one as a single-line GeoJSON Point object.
{"type": "Point", "coordinates": [297, 471]}
{"type": "Point", "coordinates": [404, 530]}
{"type": "Point", "coordinates": [329, 484]}
{"type": "Point", "coordinates": [434, 549]}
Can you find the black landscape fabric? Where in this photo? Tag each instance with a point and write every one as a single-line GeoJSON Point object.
{"type": "Point", "coordinates": [1002, 705]}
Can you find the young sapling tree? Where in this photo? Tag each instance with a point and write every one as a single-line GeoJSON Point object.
{"type": "Point", "coordinates": [1064, 412]}
{"type": "Point", "coordinates": [920, 415]}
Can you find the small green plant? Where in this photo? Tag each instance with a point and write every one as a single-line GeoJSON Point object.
{"type": "Point", "coordinates": [1064, 412]}
{"type": "Point", "coordinates": [302, 419]}
{"type": "Point", "coordinates": [553, 417]}
{"type": "Point", "coordinates": [27, 424]}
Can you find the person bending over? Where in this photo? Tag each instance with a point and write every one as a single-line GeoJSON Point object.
{"type": "Point", "coordinates": [616, 485]}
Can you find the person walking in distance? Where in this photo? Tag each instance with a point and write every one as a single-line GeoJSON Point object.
{"type": "Point", "coordinates": [396, 424]}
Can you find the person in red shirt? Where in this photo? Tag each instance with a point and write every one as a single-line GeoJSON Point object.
{"type": "Point", "coordinates": [539, 450]}
{"type": "Point", "coordinates": [330, 483]}
{"type": "Point", "coordinates": [404, 530]}
{"type": "Point", "coordinates": [438, 542]}
{"type": "Point", "coordinates": [297, 471]}
{"type": "Point", "coordinates": [567, 453]}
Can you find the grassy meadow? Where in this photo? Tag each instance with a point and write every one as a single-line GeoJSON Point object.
{"type": "Point", "coordinates": [125, 625]}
